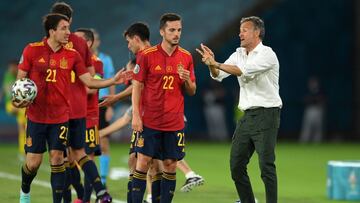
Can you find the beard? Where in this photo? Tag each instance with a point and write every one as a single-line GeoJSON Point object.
{"type": "Point", "coordinates": [173, 42]}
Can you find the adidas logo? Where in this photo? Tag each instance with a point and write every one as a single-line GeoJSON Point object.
{"type": "Point", "coordinates": [157, 67]}
{"type": "Point", "coordinates": [41, 60]}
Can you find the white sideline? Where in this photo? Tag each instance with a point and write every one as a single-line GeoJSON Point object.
{"type": "Point", "coordinates": [41, 183]}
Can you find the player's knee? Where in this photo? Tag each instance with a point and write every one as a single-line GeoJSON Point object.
{"type": "Point", "coordinates": [132, 161]}
{"type": "Point", "coordinates": [169, 165]}
{"type": "Point", "coordinates": [56, 157]}
{"type": "Point", "coordinates": [33, 166]}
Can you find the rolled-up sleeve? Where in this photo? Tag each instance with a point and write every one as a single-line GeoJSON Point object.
{"type": "Point", "coordinates": [222, 74]}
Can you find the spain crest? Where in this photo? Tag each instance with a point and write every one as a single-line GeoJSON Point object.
{"type": "Point", "coordinates": [180, 66]}
{"type": "Point", "coordinates": [63, 63]}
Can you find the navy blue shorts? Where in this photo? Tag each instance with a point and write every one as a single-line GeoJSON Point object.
{"type": "Point", "coordinates": [133, 142]}
{"type": "Point", "coordinates": [40, 134]}
{"type": "Point", "coordinates": [92, 141]}
{"type": "Point", "coordinates": [77, 129]}
{"type": "Point", "coordinates": [161, 144]}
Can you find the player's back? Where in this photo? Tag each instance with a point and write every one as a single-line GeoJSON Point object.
{"type": "Point", "coordinates": [78, 95]}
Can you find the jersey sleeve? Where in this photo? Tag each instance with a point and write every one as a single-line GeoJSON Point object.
{"type": "Point", "coordinates": [25, 61]}
{"type": "Point", "coordinates": [79, 66]}
{"type": "Point", "coordinates": [140, 70]}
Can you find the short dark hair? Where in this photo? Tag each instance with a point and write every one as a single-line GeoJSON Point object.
{"type": "Point", "coordinates": [169, 17]}
{"type": "Point", "coordinates": [62, 8]}
{"type": "Point", "coordinates": [88, 33]}
{"type": "Point", "coordinates": [51, 21]}
{"type": "Point", "coordinates": [258, 24]}
{"type": "Point", "coordinates": [140, 29]}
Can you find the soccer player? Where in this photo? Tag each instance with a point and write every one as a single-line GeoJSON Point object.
{"type": "Point", "coordinates": [78, 96]}
{"type": "Point", "coordinates": [162, 74]}
{"type": "Point", "coordinates": [78, 100]}
{"type": "Point", "coordinates": [92, 140]}
{"type": "Point", "coordinates": [48, 63]}
{"type": "Point", "coordinates": [106, 112]}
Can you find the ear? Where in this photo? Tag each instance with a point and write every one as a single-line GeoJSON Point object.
{"type": "Point", "coordinates": [257, 32]}
{"type": "Point", "coordinates": [51, 32]}
{"type": "Point", "coordinates": [162, 32]}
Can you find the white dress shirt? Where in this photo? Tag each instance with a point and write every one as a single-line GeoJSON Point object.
{"type": "Point", "coordinates": [259, 82]}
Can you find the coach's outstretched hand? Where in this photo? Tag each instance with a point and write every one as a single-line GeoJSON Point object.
{"type": "Point", "coordinates": [207, 55]}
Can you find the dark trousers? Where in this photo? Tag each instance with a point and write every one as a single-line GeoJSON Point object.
{"type": "Point", "coordinates": [256, 131]}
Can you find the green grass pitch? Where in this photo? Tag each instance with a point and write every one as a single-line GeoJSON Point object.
{"type": "Point", "coordinates": [301, 173]}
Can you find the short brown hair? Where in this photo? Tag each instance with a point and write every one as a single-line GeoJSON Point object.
{"type": "Point", "coordinates": [62, 8]}
{"type": "Point", "coordinates": [168, 17]}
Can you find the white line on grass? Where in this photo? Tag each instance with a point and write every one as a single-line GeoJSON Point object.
{"type": "Point", "coordinates": [41, 183]}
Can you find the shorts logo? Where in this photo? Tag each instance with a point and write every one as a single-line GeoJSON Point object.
{"type": "Point", "coordinates": [28, 141]}
{"type": "Point", "coordinates": [136, 69]}
{"type": "Point", "coordinates": [140, 142]}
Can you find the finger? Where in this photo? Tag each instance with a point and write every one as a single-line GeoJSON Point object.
{"type": "Point", "coordinates": [199, 51]}
{"type": "Point", "coordinates": [102, 104]}
{"type": "Point", "coordinates": [208, 49]}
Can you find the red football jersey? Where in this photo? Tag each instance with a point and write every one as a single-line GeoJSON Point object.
{"type": "Point", "coordinates": [162, 99]}
{"type": "Point", "coordinates": [92, 117]}
{"type": "Point", "coordinates": [51, 73]}
{"type": "Point", "coordinates": [78, 96]}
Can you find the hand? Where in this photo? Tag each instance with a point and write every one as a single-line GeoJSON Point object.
{"type": "Point", "coordinates": [109, 113]}
{"type": "Point", "coordinates": [21, 104]}
{"type": "Point", "coordinates": [108, 100]}
{"type": "Point", "coordinates": [101, 133]}
{"type": "Point", "coordinates": [184, 74]}
{"type": "Point", "coordinates": [137, 124]}
{"type": "Point", "coordinates": [208, 56]}
{"type": "Point", "coordinates": [122, 76]}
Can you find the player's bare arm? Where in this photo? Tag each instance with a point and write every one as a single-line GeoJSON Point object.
{"type": "Point", "coordinates": [137, 124]}
{"type": "Point", "coordinates": [112, 98]}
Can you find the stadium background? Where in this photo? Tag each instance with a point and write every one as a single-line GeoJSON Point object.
{"type": "Point", "coordinates": [310, 37]}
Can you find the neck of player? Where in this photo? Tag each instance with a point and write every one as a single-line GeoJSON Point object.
{"type": "Point", "coordinates": [53, 44]}
{"type": "Point", "coordinates": [168, 48]}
